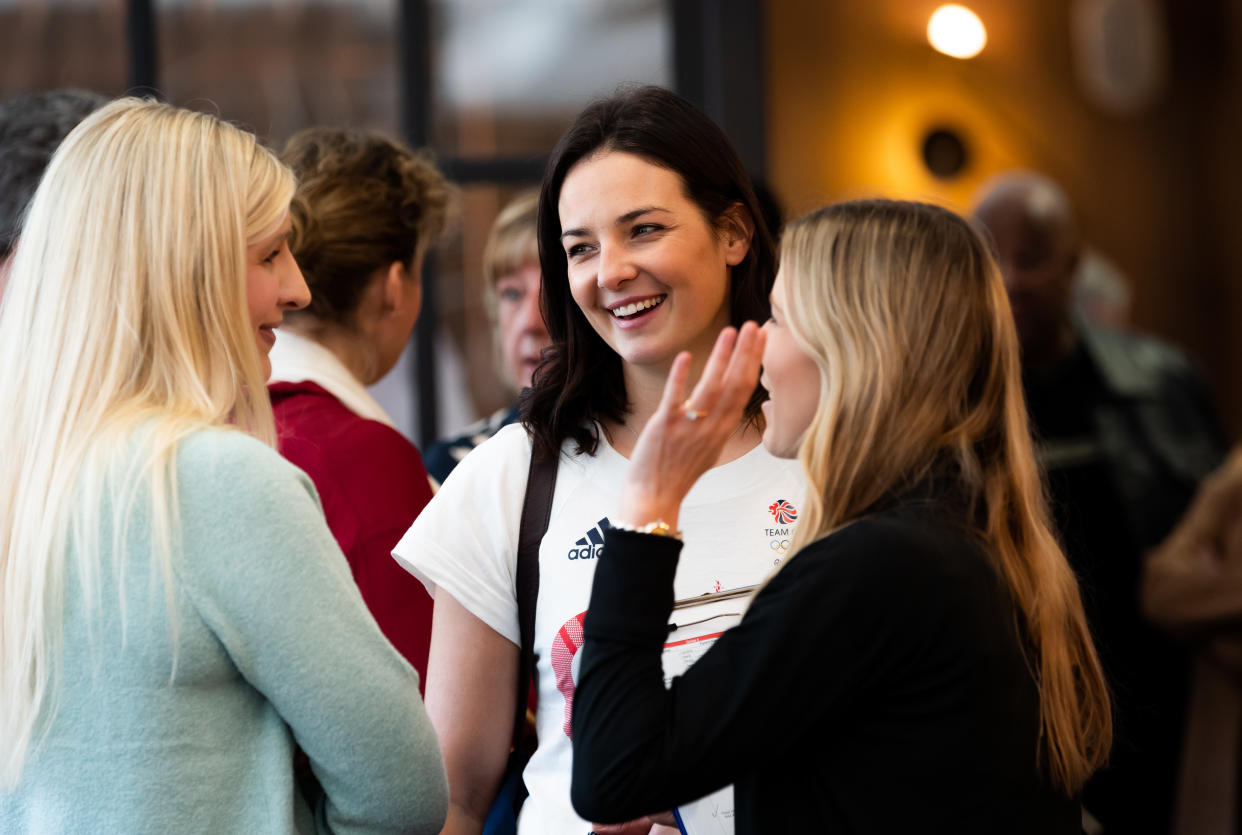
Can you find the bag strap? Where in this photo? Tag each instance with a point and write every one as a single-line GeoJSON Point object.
{"type": "Point", "coordinates": [536, 511]}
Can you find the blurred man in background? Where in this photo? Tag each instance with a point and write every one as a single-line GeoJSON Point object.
{"type": "Point", "coordinates": [32, 127]}
{"type": "Point", "coordinates": [1125, 432]}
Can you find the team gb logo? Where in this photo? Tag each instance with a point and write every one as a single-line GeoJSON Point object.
{"type": "Point", "coordinates": [783, 512]}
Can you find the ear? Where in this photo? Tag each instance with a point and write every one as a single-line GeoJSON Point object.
{"type": "Point", "coordinates": [401, 289]}
{"type": "Point", "coordinates": [737, 229]}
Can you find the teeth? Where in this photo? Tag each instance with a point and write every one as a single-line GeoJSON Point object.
{"type": "Point", "coordinates": [637, 307]}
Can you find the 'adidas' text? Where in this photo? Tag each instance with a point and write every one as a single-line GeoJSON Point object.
{"type": "Point", "coordinates": [591, 545]}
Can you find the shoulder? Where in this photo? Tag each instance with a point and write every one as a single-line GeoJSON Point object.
{"type": "Point", "coordinates": [246, 512]}
{"type": "Point", "coordinates": [488, 481]}
{"type": "Point", "coordinates": [1136, 363]}
{"type": "Point", "coordinates": [318, 432]}
{"type": "Point", "coordinates": [443, 456]}
{"type": "Point", "coordinates": [509, 447]}
{"type": "Point", "coordinates": [225, 471]}
{"type": "Point", "coordinates": [230, 453]}
{"type": "Point", "coordinates": [291, 401]}
{"type": "Point", "coordinates": [908, 551]}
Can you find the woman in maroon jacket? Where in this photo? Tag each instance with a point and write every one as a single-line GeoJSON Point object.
{"type": "Point", "coordinates": [365, 211]}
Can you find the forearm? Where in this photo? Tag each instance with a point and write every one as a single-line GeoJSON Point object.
{"type": "Point", "coordinates": [471, 698]}
{"type": "Point", "coordinates": [1194, 579]}
{"type": "Point", "coordinates": [620, 703]}
{"type": "Point", "coordinates": [1188, 591]}
{"type": "Point", "coordinates": [462, 821]}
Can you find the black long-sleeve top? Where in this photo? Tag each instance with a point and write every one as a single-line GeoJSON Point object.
{"type": "Point", "coordinates": [876, 685]}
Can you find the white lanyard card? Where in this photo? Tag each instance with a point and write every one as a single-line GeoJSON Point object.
{"type": "Point", "coordinates": [695, 625]}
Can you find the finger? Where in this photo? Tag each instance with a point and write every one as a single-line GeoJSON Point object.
{"type": "Point", "coordinates": [675, 386]}
{"type": "Point", "coordinates": [706, 390]}
{"type": "Point", "coordinates": [742, 374]}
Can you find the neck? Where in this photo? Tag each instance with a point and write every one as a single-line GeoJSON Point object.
{"type": "Point", "coordinates": [644, 387]}
{"type": "Point", "coordinates": [345, 345]}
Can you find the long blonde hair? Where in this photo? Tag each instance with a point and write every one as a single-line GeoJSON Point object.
{"type": "Point", "coordinates": [123, 329]}
{"type": "Point", "coordinates": [903, 309]}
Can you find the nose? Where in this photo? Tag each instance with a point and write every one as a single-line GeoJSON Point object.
{"type": "Point", "coordinates": [294, 294]}
{"type": "Point", "coordinates": [615, 266]}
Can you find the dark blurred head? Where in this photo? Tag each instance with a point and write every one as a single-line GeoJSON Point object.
{"type": "Point", "coordinates": [31, 129]}
{"type": "Point", "coordinates": [1037, 243]}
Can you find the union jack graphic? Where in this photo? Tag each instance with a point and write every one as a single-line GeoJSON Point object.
{"type": "Point", "coordinates": [783, 512]}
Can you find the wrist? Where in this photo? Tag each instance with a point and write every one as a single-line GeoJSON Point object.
{"type": "Point", "coordinates": [640, 505]}
{"type": "Point", "coordinates": [657, 527]}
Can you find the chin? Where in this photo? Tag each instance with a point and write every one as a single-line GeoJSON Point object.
{"type": "Point", "coordinates": [778, 446]}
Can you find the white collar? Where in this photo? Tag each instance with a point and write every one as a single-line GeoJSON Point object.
{"type": "Point", "coordinates": [297, 359]}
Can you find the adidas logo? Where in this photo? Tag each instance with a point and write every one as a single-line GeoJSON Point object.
{"type": "Point", "coordinates": [590, 546]}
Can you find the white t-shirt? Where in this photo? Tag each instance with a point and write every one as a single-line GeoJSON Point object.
{"type": "Point", "coordinates": [738, 521]}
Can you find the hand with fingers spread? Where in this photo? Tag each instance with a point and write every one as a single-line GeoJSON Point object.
{"type": "Point", "coordinates": [685, 436]}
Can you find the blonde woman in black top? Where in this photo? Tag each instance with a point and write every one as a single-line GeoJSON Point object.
{"type": "Point", "coordinates": [922, 663]}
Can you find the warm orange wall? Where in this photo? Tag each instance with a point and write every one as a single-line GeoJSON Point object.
{"type": "Point", "coordinates": [853, 87]}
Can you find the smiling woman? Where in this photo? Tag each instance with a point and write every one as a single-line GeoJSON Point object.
{"type": "Point", "coordinates": [650, 241]}
{"type": "Point", "coordinates": [174, 612]}
{"type": "Point", "coordinates": [644, 265]}
{"type": "Point", "coordinates": [273, 285]}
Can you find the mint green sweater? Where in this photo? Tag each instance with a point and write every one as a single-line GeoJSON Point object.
{"type": "Point", "coordinates": [275, 648]}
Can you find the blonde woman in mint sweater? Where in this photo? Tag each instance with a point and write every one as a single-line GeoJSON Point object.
{"type": "Point", "coordinates": [174, 613]}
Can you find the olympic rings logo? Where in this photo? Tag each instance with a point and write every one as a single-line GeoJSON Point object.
{"type": "Point", "coordinates": [780, 546]}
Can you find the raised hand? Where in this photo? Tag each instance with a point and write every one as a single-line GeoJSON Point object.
{"type": "Point", "coordinates": [685, 436]}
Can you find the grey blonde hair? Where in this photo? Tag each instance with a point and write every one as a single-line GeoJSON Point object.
{"type": "Point", "coordinates": [511, 244]}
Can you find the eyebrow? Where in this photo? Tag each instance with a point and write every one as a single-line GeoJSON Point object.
{"type": "Point", "coordinates": [623, 219]}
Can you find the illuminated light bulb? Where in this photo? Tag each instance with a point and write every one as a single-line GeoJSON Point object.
{"type": "Point", "coordinates": [957, 31]}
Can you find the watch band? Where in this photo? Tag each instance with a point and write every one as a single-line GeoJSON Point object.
{"type": "Point", "coordinates": [657, 528]}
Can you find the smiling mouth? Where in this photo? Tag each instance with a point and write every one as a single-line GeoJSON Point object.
{"type": "Point", "coordinates": [627, 311]}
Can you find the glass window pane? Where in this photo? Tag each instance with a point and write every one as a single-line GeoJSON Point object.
{"type": "Point", "coordinates": [509, 75]}
{"type": "Point", "coordinates": [62, 43]}
{"type": "Point", "coordinates": [276, 67]}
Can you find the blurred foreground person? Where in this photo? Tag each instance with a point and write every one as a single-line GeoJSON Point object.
{"type": "Point", "coordinates": [32, 126]}
{"type": "Point", "coordinates": [921, 662]}
{"type": "Point", "coordinates": [512, 279]}
{"type": "Point", "coordinates": [1125, 432]}
{"type": "Point", "coordinates": [1193, 587]}
{"type": "Point", "coordinates": [174, 612]}
{"type": "Point", "coordinates": [365, 212]}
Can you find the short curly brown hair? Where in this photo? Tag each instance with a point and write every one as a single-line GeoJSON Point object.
{"type": "Point", "coordinates": [363, 201]}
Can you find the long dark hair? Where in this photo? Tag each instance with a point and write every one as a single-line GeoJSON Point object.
{"type": "Point", "coordinates": [580, 381]}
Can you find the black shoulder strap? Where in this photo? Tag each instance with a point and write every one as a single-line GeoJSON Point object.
{"type": "Point", "coordinates": [536, 510]}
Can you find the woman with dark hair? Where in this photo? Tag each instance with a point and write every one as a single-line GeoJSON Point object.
{"type": "Point", "coordinates": [365, 212]}
{"type": "Point", "coordinates": [650, 242]}
{"type": "Point", "coordinates": [921, 662]}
